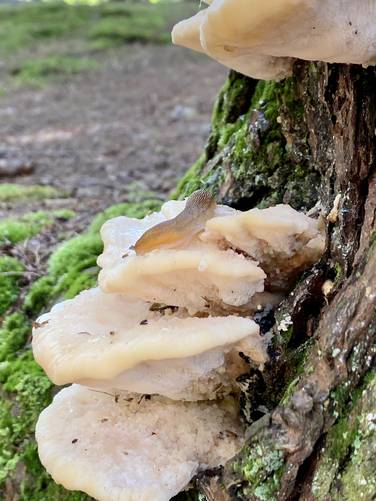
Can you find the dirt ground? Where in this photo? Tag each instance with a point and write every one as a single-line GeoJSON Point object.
{"type": "Point", "coordinates": [136, 123]}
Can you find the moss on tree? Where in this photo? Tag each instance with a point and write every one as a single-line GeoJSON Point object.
{"type": "Point", "coordinates": [256, 154]}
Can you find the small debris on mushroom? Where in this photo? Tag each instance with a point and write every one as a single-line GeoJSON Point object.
{"type": "Point", "coordinates": [176, 356]}
{"type": "Point", "coordinates": [166, 443]}
{"type": "Point", "coordinates": [178, 289]}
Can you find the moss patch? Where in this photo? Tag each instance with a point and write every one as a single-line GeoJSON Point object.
{"type": "Point", "coordinates": [346, 467]}
{"type": "Point", "coordinates": [10, 192]}
{"type": "Point", "coordinates": [14, 230]}
{"type": "Point", "coordinates": [10, 273]}
{"type": "Point", "coordinates": [261, 468]}
{"type": "Point", "coordinates": [38, 71]}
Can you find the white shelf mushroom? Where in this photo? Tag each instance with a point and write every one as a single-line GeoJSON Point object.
{"type": "Point", "coordinates": [261, 39]}
{"type": "Point", "coordinates": [132, 450]}
{"type": "Point", "coordinates": [282, 240]}
{"type": "Point", "coordinates": [191, 274]}
{"type": "Point", "coordinates": [109, 438]}
{"type": "Point", "coordinates": [112, 342]}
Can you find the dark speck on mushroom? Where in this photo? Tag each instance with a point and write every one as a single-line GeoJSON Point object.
{"type": "Point", "coordinates": [37, 325]}
{"type": "Point", "coordinates": [75, 440]}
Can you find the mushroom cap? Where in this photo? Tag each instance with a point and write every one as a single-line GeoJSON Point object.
{"type": "Point", "coordinates": [98, 336]}
{"type": "Point", "coordinates": [189, 277]}
{"type": "Point", "coordinates": [261, 39]}
{"type": "Point", "coordinates": [187, 32]}
{"type": "Point", "coordinates": [283, 240]}
{"type": "Point", "coordinates": [132, 450]}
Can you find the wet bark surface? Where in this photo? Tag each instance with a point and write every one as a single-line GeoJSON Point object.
{"type": "Point", "coordinates": [328, 353]}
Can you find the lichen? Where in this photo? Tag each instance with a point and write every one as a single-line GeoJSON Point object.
{"type": "Point", "coordinates": [346, 467]}
{"type": "Point", "coordinates": [261, 467]}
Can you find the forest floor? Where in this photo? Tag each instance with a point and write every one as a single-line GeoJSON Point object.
{"type": "Point", "coordinates": [97, 104]}
{"type": "Point", "coordinates": [134, 124]}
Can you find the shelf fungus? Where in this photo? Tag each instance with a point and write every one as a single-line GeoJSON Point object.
{"type": "Point", "coordinates": [262, 39]}
{"type": "Point", "coordinates": [227, 265]}
{"type": "Point", "coordinates": [282, 240]}
{"type": "Point", "coordinates": [181, 269]}
{"type": "Point", "coordinates": [132, 450]}
{"type": "Point", "coordinates": [155, 352]}
{"type": "Point", "coordinates": [112, 342]}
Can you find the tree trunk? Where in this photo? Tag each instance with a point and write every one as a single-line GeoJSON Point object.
{"type": "Point", "coordinates": [312, 412]}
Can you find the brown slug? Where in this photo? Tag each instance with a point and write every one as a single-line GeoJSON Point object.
{"type": "Point", "coordinates": [198, 209]}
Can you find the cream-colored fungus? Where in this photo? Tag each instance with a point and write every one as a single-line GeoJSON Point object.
{"type": "Point", "coordinates": [110, 341]}
{"type": "Point", "coordinates": [283, 240]}
{"type": "Point", "coordinates": [191, 275]}
{"type": "Point", "coordinates": [124, 449]}
{"type": "Point", "coordinates": [261, 39]}
{"type": "Point", "coordinates": [202, 261]}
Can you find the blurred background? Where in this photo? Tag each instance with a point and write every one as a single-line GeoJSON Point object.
{"type": "Point", "coordinates": [96, 103]}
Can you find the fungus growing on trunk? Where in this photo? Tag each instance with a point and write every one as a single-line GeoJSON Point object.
{"type": "Point", "coordinates": [192, 274]}
{"type": "Point", "coordinates": [261, 39]}
{"type": "Point", "coordinates": [223, 266]}
{"type": "Point", "coordinates": [132, 449]}
{"type": "Point", "coordinates": [110, 341]}
{"type": "Point", "coordinates": [146, 414]}
{"type": "Point", "coordinates": [282, 240]}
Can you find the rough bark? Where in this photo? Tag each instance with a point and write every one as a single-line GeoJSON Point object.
{"type": "Point", "coordinates": [312, 419]}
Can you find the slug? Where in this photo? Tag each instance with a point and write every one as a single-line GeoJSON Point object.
{"type": "Point", "coordinates": [198, 209]}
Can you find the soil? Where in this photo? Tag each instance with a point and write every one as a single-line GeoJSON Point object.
{"type": "Point", "coordinates": [136, 123]}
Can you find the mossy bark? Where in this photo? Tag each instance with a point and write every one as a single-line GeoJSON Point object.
{"type": "Point", "coordinates": [308, 141]}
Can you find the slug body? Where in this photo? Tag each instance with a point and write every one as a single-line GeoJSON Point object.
{"type": "Point", "coordinates": [198, 209]}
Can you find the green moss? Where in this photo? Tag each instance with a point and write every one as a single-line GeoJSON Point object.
{"type": "Point", "coordinates": [39, 295]}
{"type": "Point", "coordinates": [191, 181]}
{"type": "Point", "coordinates": [248, 160]}
{"type": "Point", "coordinates": [64, 214]}
{"type": "Point", "coordinates": [27, 391]}
{"type": "Point", "coordinates": [338, 272]}
{"type": "Point", "coordinates": [373, 238]}
{"type": "Point", "coordinates": [14, 230]}
{"type": "Point", "coordinates": [13, 334]}
{"type": "Point", "coordinates": [10, 273]}
{"type": "Point", "coordinates": [41, 70]}
{"type": "Point", "coordinates": [10, 192]}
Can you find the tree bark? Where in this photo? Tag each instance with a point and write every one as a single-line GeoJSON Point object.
{"type": "Point", "coordinates": [305, 141]}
